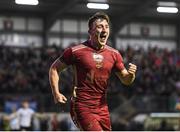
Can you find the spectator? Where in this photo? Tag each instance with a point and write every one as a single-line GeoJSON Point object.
{"type": "Point", "coordinates": [24, 115]}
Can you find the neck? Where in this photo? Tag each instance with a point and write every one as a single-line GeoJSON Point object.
{"type": "Point", "coordinates": [96, 45]}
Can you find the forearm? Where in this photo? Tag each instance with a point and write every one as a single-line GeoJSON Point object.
{"type": "Point", "coordinates": [125, 77]}
{"type": "Point", "coordinates": [128, 79]}
{"type": "Point", "coordinates": [13, 115]}
{"type": "Point", "coordinates": [54, 80]}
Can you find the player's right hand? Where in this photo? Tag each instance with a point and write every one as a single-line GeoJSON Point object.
{"type": "Point", "coordinates": [59, 98]}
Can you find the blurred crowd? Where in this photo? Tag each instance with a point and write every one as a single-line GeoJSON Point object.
{"type": "Point", "coordinates": [40, 122]}
{"type": "Point", "coordinates": [25, 70]}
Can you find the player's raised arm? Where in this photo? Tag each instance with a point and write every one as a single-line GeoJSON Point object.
{"type": "Point", "coordinates": [54, 78]}
{"type": "Point", "coordinates": [127, 76]}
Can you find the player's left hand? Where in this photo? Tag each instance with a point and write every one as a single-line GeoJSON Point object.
{"type": "Point", "coordinates": [132, 68]}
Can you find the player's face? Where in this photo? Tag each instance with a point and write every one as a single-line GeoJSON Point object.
{"type": "Point", "coordinates": [99, 32]}
{"type": "Point", "coordinates": [25, 104]}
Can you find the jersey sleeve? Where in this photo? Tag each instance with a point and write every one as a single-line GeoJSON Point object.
{"type": "Point", "coordinates": [67, 57]}
{"type": "Point", "coordinates": [119, 65]}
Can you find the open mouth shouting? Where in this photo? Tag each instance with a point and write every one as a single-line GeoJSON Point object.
{"type": "Point", "coordinates": [102, 37]}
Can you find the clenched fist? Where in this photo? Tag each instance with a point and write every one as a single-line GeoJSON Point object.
{"type": "Point", "coordinates": [132, 68]}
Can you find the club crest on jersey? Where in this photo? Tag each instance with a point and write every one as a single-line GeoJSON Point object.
{"type": "Point", "coordinates": [98, 59]}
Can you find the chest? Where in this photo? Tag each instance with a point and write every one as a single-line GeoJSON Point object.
{"type": "Point", "coordinates": [92, 60]}
{"type": "Point", "coordinates": [24, 113]}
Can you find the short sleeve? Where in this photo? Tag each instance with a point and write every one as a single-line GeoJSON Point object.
{"type": "Point", "coordinates": [67, 57]}
{"type": "Point", "coordinates": [119, 65]}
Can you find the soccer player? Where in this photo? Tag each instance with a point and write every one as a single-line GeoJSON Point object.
{"type": "Point", "coordinates": [92, 61]}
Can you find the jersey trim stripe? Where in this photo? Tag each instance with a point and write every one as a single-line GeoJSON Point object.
{"type": "Point", "coordinates": [78, 47]}
{"type": "Point", "coordinates": [112, 49]}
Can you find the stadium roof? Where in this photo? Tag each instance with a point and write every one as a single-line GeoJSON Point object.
{"type": "Point", "coordinates": [120, 11]}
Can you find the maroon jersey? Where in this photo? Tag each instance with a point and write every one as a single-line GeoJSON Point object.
{"type": "Point", "coordinates": [92, 69]}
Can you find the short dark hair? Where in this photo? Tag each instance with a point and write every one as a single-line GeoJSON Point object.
{"type": "Point", "coordinates": [96, 16]}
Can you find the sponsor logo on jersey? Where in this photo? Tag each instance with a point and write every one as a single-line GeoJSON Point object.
{"type": "Point", "coordinates": [98, 59]}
